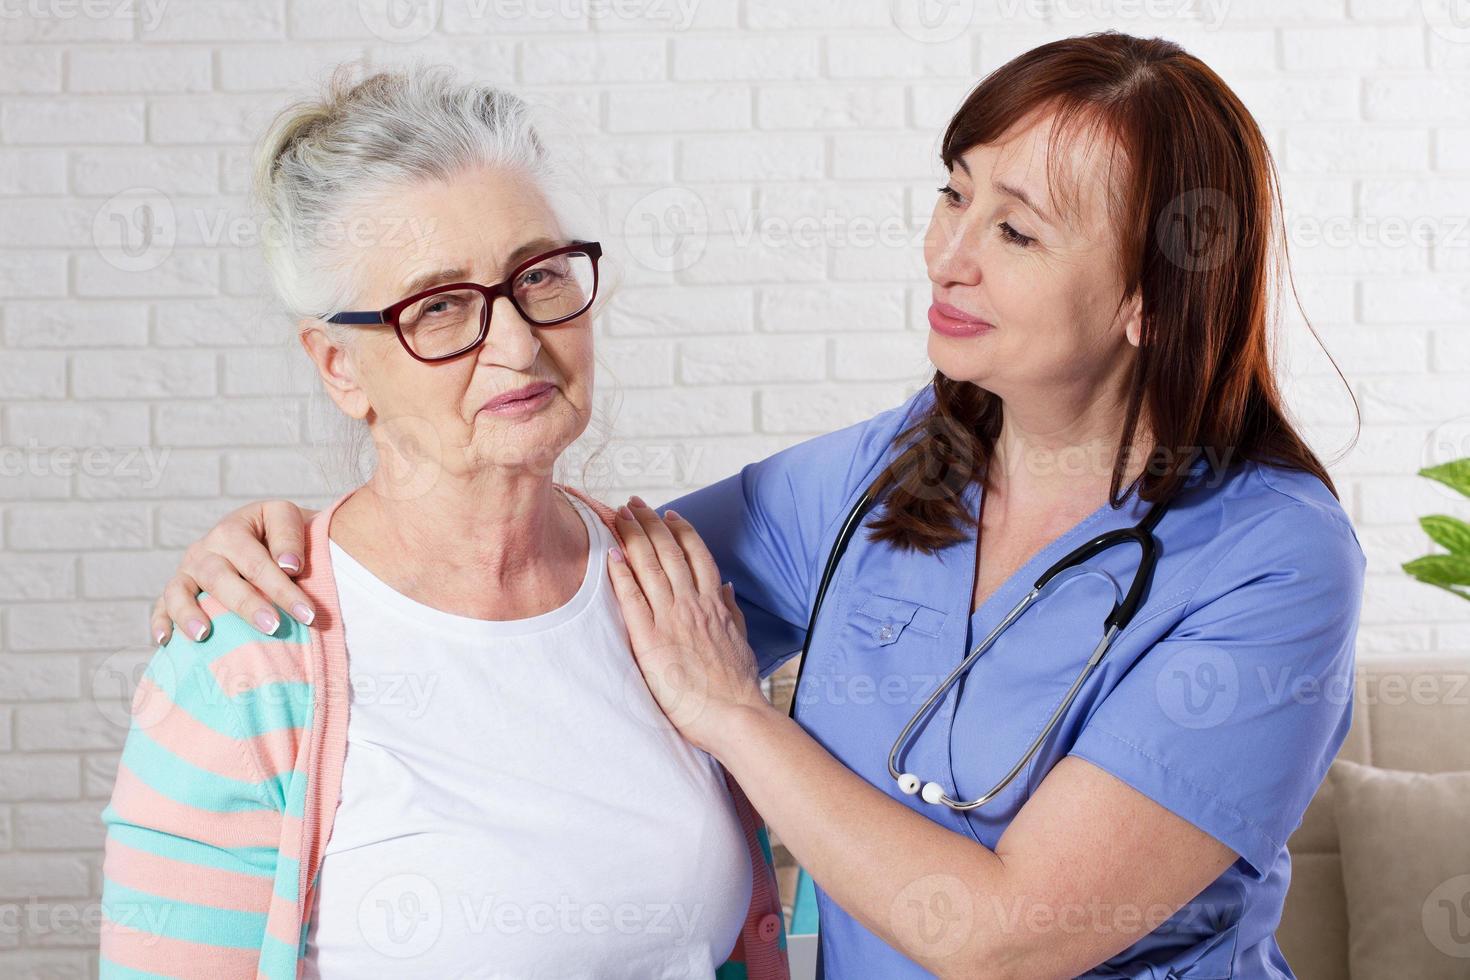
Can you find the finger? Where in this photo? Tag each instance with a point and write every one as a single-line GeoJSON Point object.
{"type": "Point", "coordinates": [234, 542]}
{"type": "Point", "coordinates": [222, 580]}
{"type": "Point", "coordinates": [181, 603]}
{"type": "Point", "coordinates": [670, 555]}
{"type": "Point", "coordinates": [727, 595]}
{"type": "Point", "coordinates": [643, 559]}
{"type": "Point", "coordinates": [636, 612]}
{"type": "Point", "coordinates": [701, 563]}
{"type": "Point", "coordinates": [160, 627]}
{"type": "Point", "coordinates": [284, 534]}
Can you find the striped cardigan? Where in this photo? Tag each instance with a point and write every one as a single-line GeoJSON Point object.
{"type": "Point", "coordinates": [228, 785]}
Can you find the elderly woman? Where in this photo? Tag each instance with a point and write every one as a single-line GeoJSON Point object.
{"type": "Point", "coordinates": [458, 771]}
{"type": "Point", "coordinates": [1078, 617]}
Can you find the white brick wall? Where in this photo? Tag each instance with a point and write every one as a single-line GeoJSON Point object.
{"type": "Point", "coordinates": [141, 399]}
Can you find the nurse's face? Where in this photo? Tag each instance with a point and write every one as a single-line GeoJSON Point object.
{"type": "Point", "coordinates": [1025, 296]}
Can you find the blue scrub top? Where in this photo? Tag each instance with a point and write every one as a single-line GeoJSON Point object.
{"type": "Point", "coordinates": [1225, 700]}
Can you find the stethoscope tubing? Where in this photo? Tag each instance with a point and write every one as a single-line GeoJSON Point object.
{"type": "Point", "coordinates": [1117, 620]}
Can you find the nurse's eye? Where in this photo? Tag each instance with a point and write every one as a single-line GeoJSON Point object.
{"type": "Point", "coordinates": [1013, 236]}
{"type": "Point", "coordinates": [952, 198]}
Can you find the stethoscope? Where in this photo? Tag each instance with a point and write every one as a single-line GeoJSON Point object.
{"type": "Point", "coordinates": [1069, 566]}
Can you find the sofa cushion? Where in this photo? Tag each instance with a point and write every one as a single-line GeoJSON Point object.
{"type": "Point", "coordinates": [1405, 870]}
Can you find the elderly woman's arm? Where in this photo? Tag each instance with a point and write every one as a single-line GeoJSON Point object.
{"type": "Point", "coordinates": [246, 561]}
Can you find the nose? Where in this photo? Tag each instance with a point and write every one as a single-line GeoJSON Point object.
{"type": "Point", "coordinates": [954, 254]}
{"type": "Point", "coordinates": [512, 342]}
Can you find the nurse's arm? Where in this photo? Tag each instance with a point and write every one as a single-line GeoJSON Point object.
{"type": "Point", "coordinates": [1087, 867]}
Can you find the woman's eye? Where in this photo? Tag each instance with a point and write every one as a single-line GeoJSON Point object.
{"type": "Point", "coordinates": [952, 197]}
{"type": "Point", "coordinates": [1013, 236]}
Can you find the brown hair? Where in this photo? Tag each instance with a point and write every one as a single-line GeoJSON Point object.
{"type": "Point", "coordinates": [1196, 163]}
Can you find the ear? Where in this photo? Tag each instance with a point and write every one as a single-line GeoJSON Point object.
{"type": "Point", "coordinates": [1133, 320]}
{"type": "Point", "coordinates": [334, 364]}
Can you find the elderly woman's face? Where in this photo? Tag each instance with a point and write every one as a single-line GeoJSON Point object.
{"type": "Point", "coordinates": [474, 228]}
{"type": "Point", "coordinates": [1025, 297]}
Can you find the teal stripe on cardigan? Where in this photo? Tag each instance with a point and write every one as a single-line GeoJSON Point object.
{"type": "Point", "coordinates": [184, 782]}
{"type": "Point", "coordinates": [258, 861]}
{"type": "Point", "coordinates": [180, 669]}
{"type": "Point", "coordinates": [182, 920]}
{"type": "Point", "coordinates": [277, 959]}
{"type": "Point", "coordinates": [108, 970]}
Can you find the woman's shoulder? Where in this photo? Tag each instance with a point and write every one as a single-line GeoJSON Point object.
{"type": "Point", "coordinates": [1270, 516]}
{"type": "Point", "coordinates": [238, 677]}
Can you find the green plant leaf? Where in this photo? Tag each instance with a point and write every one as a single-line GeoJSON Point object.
{"type": "Point", "coordinates": [1454, 474]}
{"type": "Point", "coordinates": [1446, 571]}
{"type": "Point", "coordinates": [1447, 532]}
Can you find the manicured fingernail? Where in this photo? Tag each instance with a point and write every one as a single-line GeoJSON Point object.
{"type": "Point", "coordinates": [303, 613]}
{"type": "Point", "coordinates": [197, 628]}
{"type": "Point", "coordinates": [636, 501]}
{"type": "Point", "coordinates": [158, 636]}
{"type": "Point", "coordinates": [289, 562]}
{"type": "Point", "coordinates": [616, 554]}
{"type": "Point", "coordinates": [672, 515]}
{"type": "Point", "coordinates": [267, 622]}
{"type": "Point", "coordinates": [625, 513]}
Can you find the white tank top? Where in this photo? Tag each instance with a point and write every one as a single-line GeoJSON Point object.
{"type": "Point", "coordinates": [514, 804]}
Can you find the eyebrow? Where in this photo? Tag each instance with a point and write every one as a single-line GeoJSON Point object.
{"type": "Point", "coordinates": [436, 277]}
{"type": "Point", "coordinates": [1011, 190]}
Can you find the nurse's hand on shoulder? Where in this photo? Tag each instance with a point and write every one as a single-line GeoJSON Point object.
{"type": "Point", "coordinates": [687, 632]}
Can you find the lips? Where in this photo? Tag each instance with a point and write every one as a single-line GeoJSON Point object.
{"type": "Point", "coordinates": [951, 321]}
{"type": "Point", "coordinates": [526, 394]}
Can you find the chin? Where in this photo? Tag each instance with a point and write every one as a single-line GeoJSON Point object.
{"type": "Point", "coordinates": [958, 362]}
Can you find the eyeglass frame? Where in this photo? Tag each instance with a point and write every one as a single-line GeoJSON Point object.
{"type": "Point", "coordinates": [388, 316]}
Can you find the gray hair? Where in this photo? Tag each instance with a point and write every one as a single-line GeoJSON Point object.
{"type": "Point", "coordinates": [323, 161]}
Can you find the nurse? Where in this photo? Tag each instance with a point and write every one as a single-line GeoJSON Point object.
{"type": "Point", "coordinates": [1099, 259]}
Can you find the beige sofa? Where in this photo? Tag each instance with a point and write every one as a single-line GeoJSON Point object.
{"type": "Point", "coordinates": [1409, 713]}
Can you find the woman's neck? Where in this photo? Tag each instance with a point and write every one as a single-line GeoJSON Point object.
{"type": "Point", "coordinates": [1063, 455]}
{"type": "Point", "coordinates": [491, 545]}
